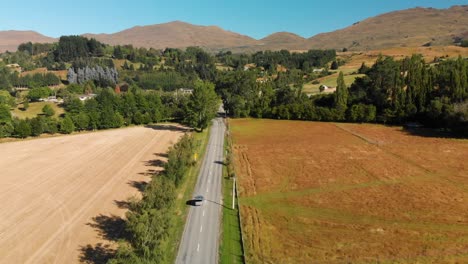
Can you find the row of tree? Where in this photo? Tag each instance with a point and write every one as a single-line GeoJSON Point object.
{"type": "Point", "coordinates": [149, 220]}
{"type": "Point", "coordinates": [390, 92]}
{"type": "Point", "coordinates": [103, 77]}
{"type": "Point", "coordinates": [111, 110]}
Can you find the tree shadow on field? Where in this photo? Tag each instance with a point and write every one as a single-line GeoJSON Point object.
{"type": "Point", "coordinates": [124, 204]}
{"type": "Point", "coordinates": [139, 185]}
{"type": "Point", "coordinates": [98, 254]}
{"type": "Point", "coordinates": [168, 127]}
{"type": "Point", "coordinates": [158, 162]}
{"type": "Point", "coordinates": [110, 228]}
{"type": "Point", "coordinates": [434, 133]}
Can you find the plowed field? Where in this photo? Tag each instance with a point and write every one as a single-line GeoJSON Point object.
{"type": "Point", "coordinates": [62, 198]}
{"type": "Point", "coordinates": [347, 193]}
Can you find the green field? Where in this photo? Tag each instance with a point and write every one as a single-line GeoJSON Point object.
{"type": "Point", "coordinates": [36, 109]}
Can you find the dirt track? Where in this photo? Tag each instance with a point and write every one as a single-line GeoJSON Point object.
{"type": "Point", "coordinates": [55, 193]}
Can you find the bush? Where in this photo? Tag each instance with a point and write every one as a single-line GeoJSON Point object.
{"type": "Point", "coordinates": [48, 111]}
{"type": "Point", "coordinates": [67, 126]}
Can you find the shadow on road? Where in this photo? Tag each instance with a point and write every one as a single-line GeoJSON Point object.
{"type": "Point", "coordinates": [218, 204]}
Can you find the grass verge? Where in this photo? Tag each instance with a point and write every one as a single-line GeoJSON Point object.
{"type": "Point", "coordinates": [231, 237]}
{"type": "Point", "coordinates": [184, 193]}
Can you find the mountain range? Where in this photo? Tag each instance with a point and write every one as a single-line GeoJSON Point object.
{"type": "Point", "coordinates": [411, 27]}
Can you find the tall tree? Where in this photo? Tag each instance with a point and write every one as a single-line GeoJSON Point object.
{"type": "Point", "coordinates": [341, 95]}
{"type": "Point", "coordinates": [202, 106]}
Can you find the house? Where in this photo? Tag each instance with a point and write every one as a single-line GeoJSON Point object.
{"type": "Point", "coordinates": [85, 97]}
{"type": "Point", "coordinates": [184, 91]}
{"type": "Point", "coordinates": [15, 67]}
{"type": "Point", "coordinates": [317, 70]}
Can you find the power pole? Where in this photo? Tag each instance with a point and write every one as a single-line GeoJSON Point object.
{"type": "Point", "coordinates": [233, 193]}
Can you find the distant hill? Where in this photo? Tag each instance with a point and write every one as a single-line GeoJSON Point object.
{"type": "Point", "coordinates": [284, 40]}
{"type": "Point", "coordinates": [10, 40]}
{"type": "Point", "coordinates": [176, 35]}
{"type": "Point", "coordinates": [407, 28]}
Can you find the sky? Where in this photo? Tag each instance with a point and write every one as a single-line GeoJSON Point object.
{"type": "Point", "coordinates": [255, 18]}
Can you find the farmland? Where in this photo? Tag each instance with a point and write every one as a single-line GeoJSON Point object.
{"type": "Point", "coordinates": [332, 193]}
{"type": "Point", "coordinates": [63, 198]}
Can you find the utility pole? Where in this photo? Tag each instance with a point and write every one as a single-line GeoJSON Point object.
{"type": "Point", "coordinates": [233, 193]}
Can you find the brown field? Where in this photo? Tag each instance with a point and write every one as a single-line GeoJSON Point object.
{"type": "Point", "coordinates": [62, 198]}
{"type": "Point", "coordinates": [347, 193]}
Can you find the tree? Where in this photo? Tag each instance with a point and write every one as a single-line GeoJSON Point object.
{"type": "Point", "coordinates": [37, 126]}
{"type": "Point", "coordinates": [67, 126]}
{"type": "Point", "coordinates": [334, 65]}
{"type": "Point", "coordinates": [341, 95]}
{"type": "Point", "coordinates": [22, 128]}
{"type": "Point", "coordinates": [26, 104]}
{"type": "Point", "coordinates": [202, 106]}
{"type": "Point", "coordinates": [37, 93]}
{"type": "Point", "coordinates": [5, 115]}
{"type": "Point", "coordinates": [464, 43]}
{"type": "Point", "coordinates": [81, 121]}
{"type": "Point", "coordinates": [48, 111]}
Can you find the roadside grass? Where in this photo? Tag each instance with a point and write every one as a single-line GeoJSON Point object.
{"type": "Point", "coordinates": [184, 193]}
{"type": "Point", "coordinates": [231, 238]}
{"type": "Point", "coordinates": [35, 109]}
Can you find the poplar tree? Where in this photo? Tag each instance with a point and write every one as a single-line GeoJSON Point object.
{"type": "Point", "coordinates": [341, 95]}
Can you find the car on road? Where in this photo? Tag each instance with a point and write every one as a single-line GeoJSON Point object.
{"type": "Point", "coordinates": [198, 200]}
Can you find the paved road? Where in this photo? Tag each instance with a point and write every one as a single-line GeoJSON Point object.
{"type": "Point", "coordinates": [200, 241]}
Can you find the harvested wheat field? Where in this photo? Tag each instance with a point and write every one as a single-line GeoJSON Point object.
{"type": "Point", "coordinates": [62, 198]}
{"type": "Point", "coordinates": [347, 193]}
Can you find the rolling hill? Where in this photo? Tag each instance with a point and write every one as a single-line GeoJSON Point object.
{"type": "Point", "coordinates": [176, 34]}
{"type": "Point", "coordinates": [10, 39]}
{"type": "Point", "coordinates": [406, 28]}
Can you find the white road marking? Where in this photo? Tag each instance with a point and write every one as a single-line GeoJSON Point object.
{"type": "Point", "coordinates": [198, 247]}
{"type": "Point", "coordinates": [203, 212]}
{"type": "Point", "coordinates": [207, 189]}
{"type": "Point", "coordinates": [201, 228]}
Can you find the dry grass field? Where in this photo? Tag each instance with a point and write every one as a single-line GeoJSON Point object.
{"type": "Point", "coordinates": [347, 193]}
{"type": "Point", "coordinates": [62, 198]}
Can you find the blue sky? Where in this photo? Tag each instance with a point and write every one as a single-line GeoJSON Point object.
{"type": "Point", "coordinates": [256, 18]}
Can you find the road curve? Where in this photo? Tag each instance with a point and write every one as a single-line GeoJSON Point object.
{"type": "Point", "coordinates": [200, 240]}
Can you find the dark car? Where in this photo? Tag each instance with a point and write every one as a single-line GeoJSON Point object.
{"type": "Point", "coordinates": [198, 200]}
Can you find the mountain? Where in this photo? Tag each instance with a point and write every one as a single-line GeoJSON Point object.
{"type": "Point", "coordinates": [284, 40]}
{"type": "Point", "coordinates": [10, 40]}
{"type": "Point", "coordinates": [412, 27]}
{"type": "Point", "coordinates": [176, 35]}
